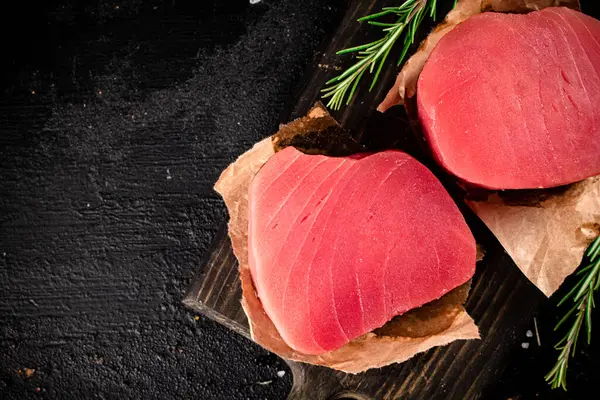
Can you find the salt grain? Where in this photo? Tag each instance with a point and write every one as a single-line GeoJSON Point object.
{"type": "Point", "coordinates": [525, 345]}
{"type": "Point", "coordinates": [254, 1]}
{"type": "Point", "coordinates": [529, 334]}
{"type": "Point", "coordinates": [280, 374]}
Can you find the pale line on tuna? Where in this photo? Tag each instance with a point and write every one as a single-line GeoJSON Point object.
{"type": "Point", "coordinates": [590, 62]}
{"type": "Point", "coordinates": [355, 269]}
{"type": "Point", "coordinates": [508, 135]}
{"type": "Point", "coordinates": [261, 250]}
{"type": "Point", "coordinates": [289, 231]}
{"type": "Point", "coordinates": [575, 64]}
{"type": "Point", "coordinates": [308, 232]}
{"type": "Point", "coordinates": [525, 41]}
{"type": "Point", "coordinates": [562, 97]}
{"type": "Point", "coordinates": [562, 100]}
{"type": "Point", "coordinates": [546, 124]}
{"type": "Point", "coordinates": [437, 257]}
{"type": "Point", "coordinates": [282, 203]}
{"type": "Point", "coordinates": [314, 255]}
{"type": "Point", "coordinates": [580, 44]}
{"type": "Point", "coordinates": [410, 280]}
{"type": "Point", "coordinates": [287, 167]}
{"type": "Point", "coordinates": [541, 102]}
{"type": "Point", "coordinates": [385, 269]}
{"type": "Point", "coordinates": [281, 173]}
{"type": "Point", "coordinates": [362, 310]}
{"type": "Point", "coordinates": [578, 16]}
{"type": "Point", "coordinates": [273, 182]}
{"type": "Point", "coordinates": [358, 291]}
{"type": "Point", "coordinates": [456, 86]}
{"type": "Point", "coordinates": [332, 257]}
{"type": "Point", "coordinates": [387, 256]}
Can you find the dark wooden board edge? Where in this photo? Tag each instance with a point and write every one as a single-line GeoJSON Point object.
{"type": "Point", "coordinates": [220, 257]}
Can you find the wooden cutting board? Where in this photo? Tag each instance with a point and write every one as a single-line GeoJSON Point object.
{"type": "Point", "coordinates": [502, 300]}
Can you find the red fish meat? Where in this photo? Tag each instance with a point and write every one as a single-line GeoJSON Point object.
{"type": "Point", "coordinates": [510, 101]}
{"type": "Point", "coordinates": [338, 246]}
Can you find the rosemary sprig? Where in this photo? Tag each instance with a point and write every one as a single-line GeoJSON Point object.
{"type": "Point", "coordinates": [582, 296]}
{"type": "Point", "coordinates": [372, 56]}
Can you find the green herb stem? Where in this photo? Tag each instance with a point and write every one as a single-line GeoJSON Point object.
{"type": "Point", "coordinates": [372, 56]}
{"type": "Point", "coordinates": [582, 298]}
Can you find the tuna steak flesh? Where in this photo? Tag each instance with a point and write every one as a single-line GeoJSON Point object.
{"type": "Point", "coordinates": [510, 101]}
{"type": "Point", "coordinates": [338, 246]}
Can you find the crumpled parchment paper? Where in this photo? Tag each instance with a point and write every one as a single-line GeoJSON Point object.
{"type": "Point", "coordinates": [435, 324]}
{"type": "Point", "coordinates": [544, 231]}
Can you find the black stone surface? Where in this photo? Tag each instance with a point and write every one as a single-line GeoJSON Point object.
{"type": "Point", "coordinates": [116, 118]}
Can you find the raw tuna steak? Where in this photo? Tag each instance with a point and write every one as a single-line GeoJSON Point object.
{"type": "Point", "coordinates": [511, 101]}
{"type": "Point", "coordinates": [340, 245]}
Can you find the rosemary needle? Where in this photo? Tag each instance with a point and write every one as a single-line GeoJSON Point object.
{"type": "Point", "coordinates": [372, 56]}
{"type": "Point", "coordinates": [581, 297]}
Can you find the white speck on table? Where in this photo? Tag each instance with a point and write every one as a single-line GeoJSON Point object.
{"type": "Point", "coordinates": [525, 345]}
{"type": "Point", "coordinates": [254, 1]}
{"type": "Point", "coordinates": [529, 334]}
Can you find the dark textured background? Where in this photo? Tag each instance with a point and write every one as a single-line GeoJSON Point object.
{"type": "Point", "coordinates": [115, 120]}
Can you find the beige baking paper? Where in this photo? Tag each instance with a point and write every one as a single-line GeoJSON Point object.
{"type": "Point", "coordinates": [435, 324]}
{"type": "Point", "coordinates": [545, 232]}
